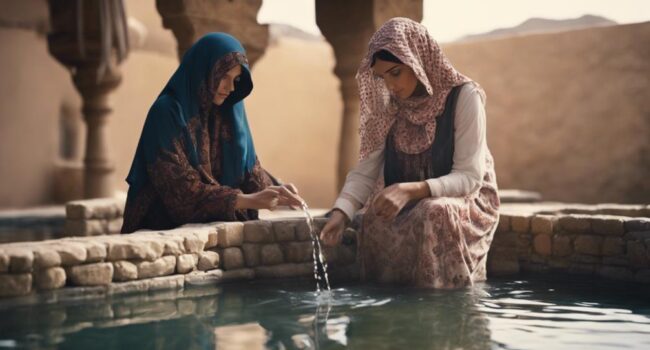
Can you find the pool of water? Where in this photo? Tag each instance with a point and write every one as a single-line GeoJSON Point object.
{"type": "Point", "coordinates": [525, 313]}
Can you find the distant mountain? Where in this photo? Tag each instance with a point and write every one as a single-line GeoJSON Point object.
{"type": "Point", "coordinates": [277, 30]}
{"type": "Point", "coordinates": [543, 25]}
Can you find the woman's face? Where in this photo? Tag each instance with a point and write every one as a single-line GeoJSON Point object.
{"type": "Point", "coordinates": [399, 78]}
{"type": "Point", "coordinates": [227, 85]}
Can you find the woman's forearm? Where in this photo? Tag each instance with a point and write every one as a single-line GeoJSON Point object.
{"type": "Point", "coordinates": [243, 202]}
{"type": "Point", "coordinates": [416, 190]}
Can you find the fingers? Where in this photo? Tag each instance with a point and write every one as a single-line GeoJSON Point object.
{"type": "Point", "coordinates": [270, 198]}
{"type": "Point", "coordinates": [288, 198]}
{"type": "Point", "coordinates": [333, 231]}
{"type": "Point", "coordinates": [330, 234]}
{"type": "Point", "coordinates": [385, 208]}
{"type": "Point", "coordinates": [291, 188]}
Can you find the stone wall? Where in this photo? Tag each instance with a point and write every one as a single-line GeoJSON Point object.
{"type": "Point", "coordinates": [611, 241]}
{"type": "Point", "coordinates": [189, 255]}
{"type": "Point", "coordinates": [94, 217]}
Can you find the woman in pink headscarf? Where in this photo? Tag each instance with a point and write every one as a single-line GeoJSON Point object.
{"type": "Point", "coordinates": [425, 173]}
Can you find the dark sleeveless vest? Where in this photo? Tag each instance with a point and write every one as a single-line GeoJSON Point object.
{"type": "Point", "coordinates": [431, 163]}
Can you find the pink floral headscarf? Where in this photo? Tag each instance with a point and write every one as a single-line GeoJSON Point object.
{"type": "Point", "coordinates": [415, 117]}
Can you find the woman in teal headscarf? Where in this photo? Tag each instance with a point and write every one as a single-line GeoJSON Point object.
{"type": "Point", "coordinates": [195, 160]}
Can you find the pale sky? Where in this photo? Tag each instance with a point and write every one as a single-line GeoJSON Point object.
{"type": "Point", "coordinates": [448, 20]}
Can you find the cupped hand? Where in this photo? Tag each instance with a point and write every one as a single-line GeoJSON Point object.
{"type": "Point", "coordinates": [333, 229]}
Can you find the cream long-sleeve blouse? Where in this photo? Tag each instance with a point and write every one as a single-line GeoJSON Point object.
{"type": "Point", "coordinates": [470, 148]}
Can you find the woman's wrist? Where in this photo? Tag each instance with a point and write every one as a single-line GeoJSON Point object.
{"type": "Point", "coordinates": [242, 201]}
{"type": "Point", "coordinates": [417, 190]}
{"type": "Point", "coordinates": [340, 215]}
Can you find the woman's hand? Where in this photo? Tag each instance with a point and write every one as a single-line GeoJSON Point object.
{"type": "Point", "coordinates": [265, 199]}
{"type": "Point", "coordinates": [392, 199]}
{"type": "Point", "coordinates": [333, 230]}
{"type": "Point", "coordinates": [288, 195]}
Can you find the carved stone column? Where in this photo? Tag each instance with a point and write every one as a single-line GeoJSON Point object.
{"type": "Point", "coordinates": [191, 19]}
{"type": "Point", "coordinates": [90, 38]}
{"type": "Point", "coordinates": [348, 25]}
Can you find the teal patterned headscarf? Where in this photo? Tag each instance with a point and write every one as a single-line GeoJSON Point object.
{"type": "Point", "coordinates": [180, 101]}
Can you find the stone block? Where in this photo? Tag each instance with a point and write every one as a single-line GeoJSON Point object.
{"type": "Point", "coordinates": [200, 278]}
{"type": "Point", "coordinates": [239, 274]}
{"type": "Point", "coordinates": [90, 227]}
{"type": "Point", "coordinates": [160, 267]}
{"type": "Point", "coordinates": [542, 244]}
{"type": "Point", "coordinates": [173, 245]}
{"type": "Point", "coordinates": [208, 261]}
{"type": "Point", "coordinates": [638, 235]}
{"type": "Point", "coordinates": [524, 245]}
{"type": "Point", "coordinates": [613, 246]}
{"type": "Point", "coordinates": [562, 245]}
{"type": "Point", "coordinates": [12, 285]}
{"type": "Point", "coordinates": [588, 244]}
{"type": "Point", "coordinates": [298, 252]}
{"type": "Point", "coordinates": [573, 224]}
{"type": "Point", "coordinates": [115, 225]}
{"type": "Point", "coordinates": [520, 223]}
{"type": "Point", "coordinates": [251, 254]}
{"type": "Point", "coordinates": [91, 274]}
{"type": "Point", "coordinates": [637, 254]}
{"type": "Point", "coordinates": [346, 254]}
{"type": "Point", "coordinates": [193, 244]}
{"type": "Point", "coordinates": [284, 231]}
{"type": "Point", "coordinates": [543, 224]}
{"type": "Point", "coordinates": [174, 282]}
{"type": "Point", "coordinates": [502, 266]}
{"type": "Point", "coordinates": [117, 288]}
{"type": "Point", "coordinates": [271, 254]}
{"type": "Point", "coordinates": [20, 259]}
{"type": "Point", "coordinates": [71, 253]}
{"type": "Point", "coordinates": [302, 231]}
{"type": "Point", "coordinates": [45, 258]}
{"type": "Point", "coordinates": [99, 208]}
{"type": "Point", "coordinates": [95, 251]}
{"type": "Point", "coordinates": [207, 233]}
{"type": "Point", "coordinates": [504, 223]}
{"type": "Point", "coordinates": [637, 224]}
{"type": "Point", "coordinates": [124, 271]}
{"type": "Point", "coordinates": [607, 225]}
{"type": "Point", "coordinates": [185, 263]}
{"type": "Point", "coordinates": [258, 232]}
{"type": "Point", "coordinates": [134, 249]}
{"type": "Point", "coordinates": [505, 239]}
{"type": "Point", "coordinates": [232, 258]}
{"type": "Point", "coordinates": [49, 278]}
{"type": "Point", "coordinates": [231, 234]}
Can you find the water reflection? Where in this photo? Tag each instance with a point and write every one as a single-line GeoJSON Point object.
{"type": "Point", "coordinates": [508, 314]}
